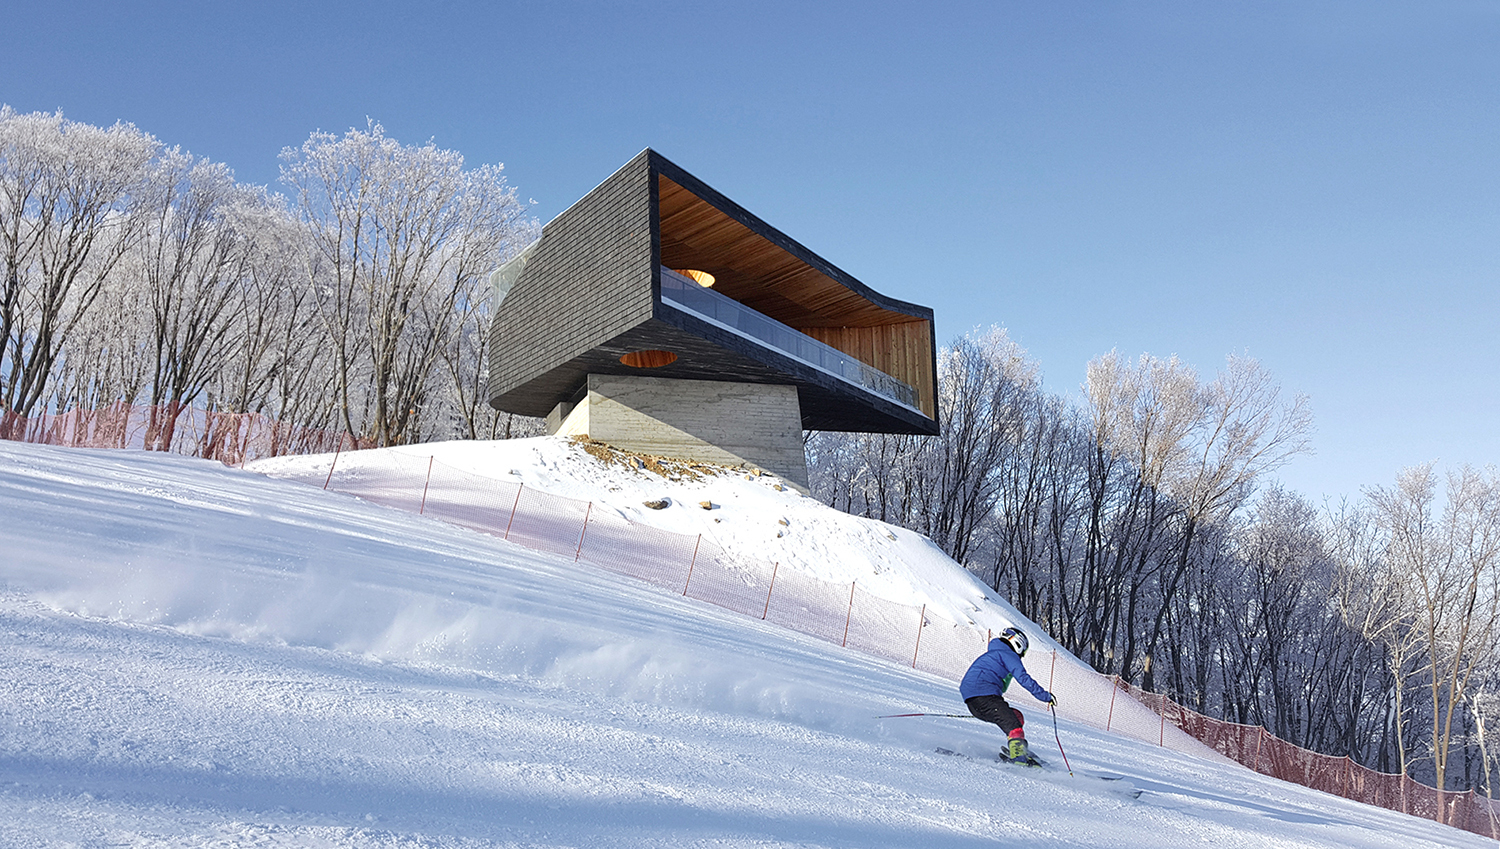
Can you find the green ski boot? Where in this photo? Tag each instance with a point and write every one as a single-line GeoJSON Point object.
{"type": "Point", "coordinates": [1017, 752]}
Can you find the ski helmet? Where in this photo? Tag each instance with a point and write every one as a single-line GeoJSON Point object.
{"type": "Point", "coordinates": [1016, 639]}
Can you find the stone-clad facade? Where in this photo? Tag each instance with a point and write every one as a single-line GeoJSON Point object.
{"type": "Point", "coordinates": [588, 282]}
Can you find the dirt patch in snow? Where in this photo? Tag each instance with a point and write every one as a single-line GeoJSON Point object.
{"type": "Point", "coordinates": [671, 468]}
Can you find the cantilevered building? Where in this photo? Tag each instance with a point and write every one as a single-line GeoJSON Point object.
{"type": "Point", "coordinates": [659, 316]}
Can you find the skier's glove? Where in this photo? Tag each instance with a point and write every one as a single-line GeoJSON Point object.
{"type": "Point", "coordinates": [1052, 699]}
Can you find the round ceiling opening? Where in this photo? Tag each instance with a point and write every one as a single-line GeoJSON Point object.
{"type": "Point", "coordinates": [649, 359]}
{"type": "Point", "coordinates": [702, 278]}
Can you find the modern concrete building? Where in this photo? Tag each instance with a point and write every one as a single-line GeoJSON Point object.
{"type": "Point", "coordinates": [659, 316]}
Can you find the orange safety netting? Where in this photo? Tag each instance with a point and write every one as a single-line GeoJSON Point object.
{"type": "Point", "coordinates": [1260, 750]}
{"type": "Point", "coordinates": [232, 438]}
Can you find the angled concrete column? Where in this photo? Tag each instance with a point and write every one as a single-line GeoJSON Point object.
{"type": "Point", "coordinates": [704, 420]}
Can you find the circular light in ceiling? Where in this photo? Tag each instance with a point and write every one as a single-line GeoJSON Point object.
{"type": "Point", "coordinates": [702, 278]}
{"type": "Point", "coordinates": [649, 359]}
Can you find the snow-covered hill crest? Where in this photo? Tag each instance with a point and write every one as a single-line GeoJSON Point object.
{"type": "Point", "coordinates": [750, 513]}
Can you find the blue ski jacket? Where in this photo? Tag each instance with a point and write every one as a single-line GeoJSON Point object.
{"type": "Point", "coordinates": [991, 673]}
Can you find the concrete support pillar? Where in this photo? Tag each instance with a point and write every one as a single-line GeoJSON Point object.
{"type": "Point", "coordinates": [702, 420]}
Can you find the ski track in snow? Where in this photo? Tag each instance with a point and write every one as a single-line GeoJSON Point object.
{"type": "Point", "coordinates": [200, 656]}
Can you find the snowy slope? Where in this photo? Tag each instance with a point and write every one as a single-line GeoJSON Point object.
{"type": "Point", "coordinates": [198, 656]}
{"type": "Point", "coordinates": [748, 514]}
{"type": "Point", "coordinates": [760, 524]}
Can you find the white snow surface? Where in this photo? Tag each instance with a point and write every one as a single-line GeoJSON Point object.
{"type": "Point", "coordinates": [202, 656]}
{"type": "Point", "coordinates": [749, 514]}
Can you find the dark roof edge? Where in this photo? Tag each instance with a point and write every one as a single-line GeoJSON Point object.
{"type": "Point", "coordinates": [676, 174]}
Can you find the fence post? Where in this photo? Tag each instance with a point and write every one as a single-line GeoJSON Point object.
{"type": "Point", "coordinates": [513, 507]}
{"type": "Point", "coordinates": [586, 514]}
{"type": "Point", "coordinates": [921, 620]}
{"type": "Point", "coordinates": [423, 509]}
{"type": "Point", "coordinates": [334, 464]}
{"type": "Point", "coordinates": [1260, 739]}
{"type": "Point", "coordinates": [1489, 808]}
{"type": "Point", "coordinates": [850, 615]}
{"type": "Point", "coordinates": [767, 611]}
{"type": "Point", "coordinates": [1162, 741]}
{"type": "Point", "coordinates": [242, 421]}
{"type": "Point", "coordinates": [1113, 689]}
{"type": "Point", "coordinates": [691, 565]}
{"type": "Point", "coordinates": [1052, 673]}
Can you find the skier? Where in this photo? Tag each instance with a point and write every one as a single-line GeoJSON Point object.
{"type": "Point", "coordinates": [984, 686]}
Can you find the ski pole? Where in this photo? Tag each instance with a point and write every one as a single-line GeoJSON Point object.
{"type": "Point", "coordinates": [949, 715]}
{"type": "Point", "coordinates": [1053, 709]}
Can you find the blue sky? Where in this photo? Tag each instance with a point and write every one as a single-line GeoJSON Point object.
{"type": "Point", "coordinates": [1316, 184]}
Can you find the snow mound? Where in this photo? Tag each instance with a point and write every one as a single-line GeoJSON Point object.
{"type": "Point", "coordinates": [754, 515]}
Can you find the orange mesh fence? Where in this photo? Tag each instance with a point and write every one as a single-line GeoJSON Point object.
{"type": "Point", "coordinates": [1267, 754]}
{"type": "Point", "coordinates": [741, 587]}
{"type": "Point", "coordinates": [883, 628]}
{"type": "Point", "coordinates": [231, 438]}
{"type": "Point", "coordinates": [659, 557]}
{"type": "Point", "coordinates": [383, 478]}
{"type": "Point", "coordinates": [697, 567]}
{"type": "Point", "coordinates": [948, 648]}
{"type": "Point", "coordinates": [1237, 742]}
{"type": "Point", "coordinates": [460, 498]}
{"type": "Point", "coordinates": [547, 523]}
{"type": "Point", "coordinates": [810, 606]}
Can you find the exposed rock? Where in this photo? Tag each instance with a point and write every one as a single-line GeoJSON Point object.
{"type": "Point", "coordinates": [668, 467]}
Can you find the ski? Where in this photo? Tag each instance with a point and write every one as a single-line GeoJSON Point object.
{"type": "Point", "coordinates": [1030, 760]}
{"type": "Point", "coordinates": [1114, 784]}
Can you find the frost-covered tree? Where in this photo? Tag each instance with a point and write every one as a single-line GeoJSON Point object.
{"type": "Point", "coordinates": [400, 239]}
{"type": "Point", "coordinates": [1371, 596]}
{"type": "Point", "coordinates": [274, 363]}
{"type": "Point", "coordinates": [68, 195]}
{"type": "Point", "coordinates": [1448, 560]}
{"type": "Point", "coordinates": [192, 257]}
{"type": "Point", "coordinates": [1243, 430]}
{"type": "Point", "coordinates": [1142, 415]}
{"type": "Point", "coordinates": [1286, 579]}
{"type": "Point", "coordinates": [943, 486]}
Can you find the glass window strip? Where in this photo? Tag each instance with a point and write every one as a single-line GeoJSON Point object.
{"type": "Point", "coordinates": [683, 293]}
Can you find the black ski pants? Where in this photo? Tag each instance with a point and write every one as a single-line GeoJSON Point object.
{"type": "Point", "coordinates": [997, 710]}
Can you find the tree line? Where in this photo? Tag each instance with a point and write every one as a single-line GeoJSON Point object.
{"type": "Point", "coordinates": [1142, 527]}
{"type": "Point", "coordinates": [356, 301]}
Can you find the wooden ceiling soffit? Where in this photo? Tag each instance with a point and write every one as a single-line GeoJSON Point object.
{"type": "Point", "coordinates": [752, 269]}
